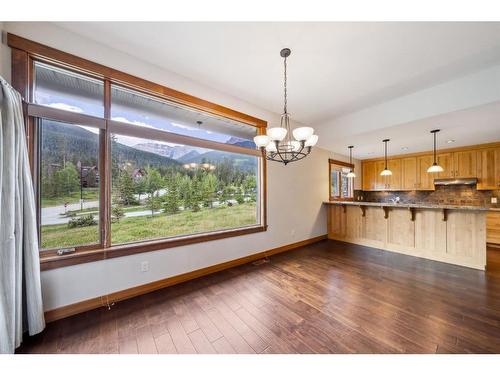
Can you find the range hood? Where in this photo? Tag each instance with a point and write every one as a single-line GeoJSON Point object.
{"type": "Point", "coordinates": [455, 181]}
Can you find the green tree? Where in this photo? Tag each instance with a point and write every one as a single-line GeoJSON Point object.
{"type": "Point", "coordinates": [172, 199]}
{"type": "Point", "coordinates": [125, 188]}
{"type": "Point", "coordinates": [67, 180]}
{"type": "Point", "coordinates": [154, 182]}
{"type": "Point", "coordinates": [208, 188]}
{"type": "Point", "coordinates": [140, 187]}
{"type": "Point", "coordinates": [186, 191]}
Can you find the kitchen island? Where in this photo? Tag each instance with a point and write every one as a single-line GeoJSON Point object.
{"type": "Point", "coordinates": [450, 234]}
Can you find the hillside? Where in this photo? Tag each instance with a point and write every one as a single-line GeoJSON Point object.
{"type": "Point", "coordinates": [75, 144]}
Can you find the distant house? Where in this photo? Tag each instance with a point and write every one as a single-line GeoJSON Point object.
{"type": "Point", "coordinates": [90, 176]}
{"type": "Point", "coordinates": [138, 173]}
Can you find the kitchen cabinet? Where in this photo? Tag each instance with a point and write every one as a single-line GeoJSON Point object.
{"type": "Point", "coordinates": [465, 163]}
{"type": "Point", "coordinates": [446, 161]}
{"type": "Point", "coordinates": [409, 173]}
{"type": "Point", "coordinates": [380, 181]}
{"type": "Point", "coordinates": [369, 176]}
{"type": "Point", "coordinates": [488, 169]}
{"type": "Point", "coordinates": [393, 182]}
{"type": "Point", "coordinates": [425, 180]}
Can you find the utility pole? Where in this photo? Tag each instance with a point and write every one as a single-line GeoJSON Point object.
{"type": "Point", "coordinates": [79, 165]}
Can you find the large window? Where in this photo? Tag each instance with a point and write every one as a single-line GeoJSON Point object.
{"type": "Point", "coordinates": [121, 169]}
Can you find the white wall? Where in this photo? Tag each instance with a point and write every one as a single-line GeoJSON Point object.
{"type": "Point", "coordinates": [295, 192]}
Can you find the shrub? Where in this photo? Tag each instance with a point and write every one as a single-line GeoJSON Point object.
{"type": "Point", "coordinates": [117, 213]}
{"type": "Point", "coordinates": [82, 221]}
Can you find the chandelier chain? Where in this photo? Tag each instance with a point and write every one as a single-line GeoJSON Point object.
{"type": "Point", "coordinates": [285, 88]}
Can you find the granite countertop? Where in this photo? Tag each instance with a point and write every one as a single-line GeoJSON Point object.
{"type": "Point", "coordinates": [412, 205]}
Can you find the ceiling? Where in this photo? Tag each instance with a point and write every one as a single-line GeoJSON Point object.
{"type": "Point", "coordinates": [335, 68]}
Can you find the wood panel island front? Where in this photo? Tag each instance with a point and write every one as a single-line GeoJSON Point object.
{"type": "Point", "coordinates": [449, 234]}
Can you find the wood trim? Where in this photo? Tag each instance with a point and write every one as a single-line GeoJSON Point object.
{"type": "Point", "coordinates": [343, 163]}
{"type": "Point", "coordinates": [439, 152]}
{"type": "Point", "coordinates": [42, 111]}
{"type": "Point", "coordinates": [55, 56]}
{"type": "Point", "coordinates": [142, 132]}
{"type": "Point", "coordinates": [50, 260]}
{"type": "Point", "coordinates": [94, 303]}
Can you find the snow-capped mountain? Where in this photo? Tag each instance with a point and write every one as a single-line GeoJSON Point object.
{"type": "Point", "coordinates": [172, 152]}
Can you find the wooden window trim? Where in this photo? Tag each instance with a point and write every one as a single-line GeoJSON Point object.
{"type": "Point", "coordinates": [344, 164]}
{"type": "Point", "coordinates": [26, 52]}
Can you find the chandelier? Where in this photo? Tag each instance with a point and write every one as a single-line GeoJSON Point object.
{"type": "Point", "coordinates": [278, 143]}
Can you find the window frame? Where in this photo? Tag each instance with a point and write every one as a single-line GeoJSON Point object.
{"type": "Point", "coordinates": [24, 55]}
{"type": "Point", "coordinates": [342, 164]}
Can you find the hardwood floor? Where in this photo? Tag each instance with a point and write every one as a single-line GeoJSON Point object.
{"type": "Point", "coordinates": [330, 297]}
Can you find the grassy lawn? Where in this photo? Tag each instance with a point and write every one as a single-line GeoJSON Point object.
{"type": "Point", "coordinates": [159, 226]}
{"type": "Point", "coordinates": [89, 194]}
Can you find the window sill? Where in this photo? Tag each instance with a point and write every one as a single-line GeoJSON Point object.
{"type": "Point", "coordinates": [50, 261]}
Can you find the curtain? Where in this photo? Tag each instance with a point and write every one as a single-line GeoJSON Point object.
{"type": "Point", "coordinates": [21, 308]}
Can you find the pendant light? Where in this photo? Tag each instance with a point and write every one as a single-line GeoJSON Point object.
{"type": "Point", "coordinates": [277, 144]}
{"type": "Point", "coordinates": [386, 172]}
{"type": "Point", "coordinates": [435, 168]}
{"type": "Point", "coordinates": [351, 173]}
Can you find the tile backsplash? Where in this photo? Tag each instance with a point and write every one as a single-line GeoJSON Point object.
{"type": "Point", "coordinates": [453, 195]}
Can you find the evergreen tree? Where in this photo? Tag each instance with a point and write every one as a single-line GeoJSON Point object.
{"type": "Point", "coordinates": [208, 188]}
{"type": "Point", "coordinates": [125, 188]}
{"type": "Point", "coordinates": [172, 199]}
{"type": "Point", "coordinates": [154, 182]}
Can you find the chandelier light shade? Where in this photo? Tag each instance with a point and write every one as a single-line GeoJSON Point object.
{"type": "Point", "coordinates": [351, 173]}
{"type": "Point", "coordinates": [435, 167]}
{"type": "Point", "coordinates": [386, 171]}
{"type": "Point", "coordinates": [278, 144]}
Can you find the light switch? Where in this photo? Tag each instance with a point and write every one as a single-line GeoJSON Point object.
{"type": "Point", "coordinates": [494, 200]}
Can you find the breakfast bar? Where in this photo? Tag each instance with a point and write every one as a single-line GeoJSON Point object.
{"type": "Point", "coordinates": [450, 234]}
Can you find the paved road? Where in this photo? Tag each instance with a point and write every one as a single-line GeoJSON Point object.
{"type": "Point", "coordinates": [53, 215]}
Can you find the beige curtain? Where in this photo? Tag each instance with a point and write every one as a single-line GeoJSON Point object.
{"type": "Point", "coordinates": [21, 308]}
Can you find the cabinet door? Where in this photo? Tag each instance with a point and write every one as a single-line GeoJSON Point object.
{"type": "Point", "coordinates": [409, 173]}
{"type": "Point", "coordinates": [394, 181]}
{"type": "Point", "coordinates": [465, 164]}
{"type": "Point", "coordinates": [380, 181]}
{"type": "Point", "coordinates": [425, 180]}
{"type": "Point", "coordinates": [368, 175]}
{"type": "Point", "coordinates": [488, 169]}
{"type": "Point", "coordinates": [445, 161]}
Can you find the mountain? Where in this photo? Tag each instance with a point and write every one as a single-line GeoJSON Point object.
{"type": "Point", "coordinates": [74, 143]}
{"type": "Point", "coordinates": [240, 142]}
{"type": "Point", "coordinates": [172, 152]}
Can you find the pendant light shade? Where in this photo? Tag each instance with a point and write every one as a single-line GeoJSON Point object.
{"type": "Point", "coordinates": [351, 173]}
{"type": "Point", "coordinates": [386, 171]}
{"type": "Point", "coordinates": [435, 167]}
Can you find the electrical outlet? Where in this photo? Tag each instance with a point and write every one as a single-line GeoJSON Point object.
{"type": "Point", "coordinates": [494, 200]}
{"type": "Point", "coordinates": [145, 266]}
{"type": "Point", "coordinates": [292, 232]}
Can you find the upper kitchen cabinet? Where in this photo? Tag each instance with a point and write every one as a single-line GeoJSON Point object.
{"type": "Point", "coordinates": [425, 180]}
{"type": "Point", "coordinates": [393, 182]}
{"type": "Point", "coordinates": [409, 173]}
{"type": "Point", "coordinates": [445, 161]}
{"type": "Point", "coordinates": [369, 176]}
{"type": "Point", "coordinates": [465, 164]}
{"type": "Point", "coordinates": [488, 168]}
{"type": "Point", "coordinates": [380, 181]}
